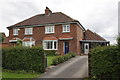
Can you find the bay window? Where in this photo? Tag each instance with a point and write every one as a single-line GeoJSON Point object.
{"type": "Point", "coordinates": [50, 44]}
{"type": "Point", "coordinates": [28, 43]}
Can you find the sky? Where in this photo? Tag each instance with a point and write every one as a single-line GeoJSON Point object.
{"type": "Point", "coordinates": [100, 16]}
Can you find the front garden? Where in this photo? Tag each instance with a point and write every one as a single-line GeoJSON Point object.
{"type": "Point", "coordinates": [25, 62]}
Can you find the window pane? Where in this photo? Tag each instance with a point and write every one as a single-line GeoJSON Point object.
{"type": "Point", "coordinates": [68, 28]}
{"type": "Point", "coordinates": [64, 28]}
{"type": "Point", "coordinates": [55, 45]}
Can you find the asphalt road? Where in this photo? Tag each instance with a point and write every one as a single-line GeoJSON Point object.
{"type": "Point", "coordinates": [74, 68]}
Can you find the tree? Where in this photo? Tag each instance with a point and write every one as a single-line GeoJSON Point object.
{"type": "Point", "coordinates": [118, 41]}
{"type": "Point", "coordinates": [1, 38]}
{"type": "Point", "coordinates": [19, 43]}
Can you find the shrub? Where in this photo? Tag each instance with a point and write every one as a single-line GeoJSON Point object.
{"type": "Point", "coordinates": [105, 62]}
{"type": "Point", "coordinates": [118, 40]}
{"type": "Point", "coordinates": [60, 59]}
{"type": "Point", "coordinates": [23, 58]}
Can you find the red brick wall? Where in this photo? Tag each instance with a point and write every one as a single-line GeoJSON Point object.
{"type": "Point", "coordinates": [39, 34]}
{"type": "Point", "coordinates": [80, 36]}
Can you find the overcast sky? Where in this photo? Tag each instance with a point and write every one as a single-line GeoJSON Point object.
{"type": "Point", "coordinates": [100, 16]}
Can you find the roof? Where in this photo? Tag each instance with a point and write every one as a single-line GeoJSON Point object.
{"type": "Point", "coordinates": [89, 35]}
{"type": "Point", "coordinates": [57, 17]}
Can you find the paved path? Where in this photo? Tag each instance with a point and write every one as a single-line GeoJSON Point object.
{"type": "Point", "coordinates": [74, 68]}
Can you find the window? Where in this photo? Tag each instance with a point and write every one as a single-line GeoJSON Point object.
{"type": "Point", "coordinates": [66, 28]}
{"type": "Point", "coordinates": [28, 31]}
{"type": "Point", "coordinates": [15, 31]}
{"type": "Point", "coordinates": [50, 45]}
{"type": "Point", "coordinates": [49, 29]}
{"type": "Point", "coordinates": [28, 43]}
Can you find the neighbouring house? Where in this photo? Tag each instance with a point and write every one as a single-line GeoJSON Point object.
{"type": "Point", "coordinates": [54, 31]}
{"type": "Point", "coordinates": [3, 40]}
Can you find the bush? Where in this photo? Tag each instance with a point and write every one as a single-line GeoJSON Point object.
{"type": "Point", "coordinates": [50, 52]}
{"type": "Point", "coordinates": [118, 40]}
{"type": "Point", "coordinates": [105, 62]}
{"type": "Point", "coordinates": [61, 59]}
{"type": "Point", "coordinates": [23, 58]}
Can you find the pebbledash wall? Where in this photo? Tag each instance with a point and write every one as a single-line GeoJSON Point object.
{"type": "Point", "coordinates": [39, 34]}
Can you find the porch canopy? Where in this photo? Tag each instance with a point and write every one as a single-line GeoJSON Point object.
{"type": "Point", "coordinates": [98, 42]}
{"type": "Point", "coordinates": [28, 39]}
{"type": "Point", "coordinates": [95, 41]}
{"type": "Point", "coordinates": [65, 37]}
{"type": "Point", "coordinates": [50, 37]}
{"type": "Point", "coordinates": [14, 40]}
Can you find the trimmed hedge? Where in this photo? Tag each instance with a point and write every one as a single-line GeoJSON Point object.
{"type": "Point", "coordinates": [23, 58]}
{"type": "Point", "coordinates": [50, 52]}
{"type": "Point", "coordinates": [61, 59]}
{"type": "Point", "coordinates": [104, 62]}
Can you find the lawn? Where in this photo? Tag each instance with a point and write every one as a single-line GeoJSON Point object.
{"type": "Point", "coordinates": [49, 60]}
{"type": "Point", "coordinates": [6, 74]}
{"type": "Point", "coordinates": [16, 75]}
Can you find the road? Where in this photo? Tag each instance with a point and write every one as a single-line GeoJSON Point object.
{"type": "Point", "coordinates": [76, 67]}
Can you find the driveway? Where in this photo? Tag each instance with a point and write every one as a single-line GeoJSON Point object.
{"type": "Point", "coordinates": [76, 67]}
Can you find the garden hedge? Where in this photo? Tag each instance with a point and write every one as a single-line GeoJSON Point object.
{"type": "Point", "coordinates": [50, 52]}
{"type": "Point", "coordinates": [104, 62]}
{"type": "Point", "coordinates": [60, 59]}
{"type": "Point", "coordinates": [23, 58]}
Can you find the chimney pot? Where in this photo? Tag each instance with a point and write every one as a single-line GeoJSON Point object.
{"type": "Point", "coordinates": [48, 11]}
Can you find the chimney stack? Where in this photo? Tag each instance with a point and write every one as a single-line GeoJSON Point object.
{"type": "Point", "coordinates": [48, 11]}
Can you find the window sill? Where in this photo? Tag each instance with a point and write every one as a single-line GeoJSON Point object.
{"type": "Point", "coordinates": [28, 34]}
{"type": "Point", "coordinates": [15, 35]}
{"type": "Point", "coordinates": [49, 33]}
{"type": "Point", "coordinates": [65, 32]}
{"type": "Point", "coordinates": [50, 49]}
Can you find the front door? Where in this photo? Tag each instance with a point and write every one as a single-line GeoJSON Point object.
{"type": "Point", "coordinates": [66, 47]}
{"type": "Point", "coordinates": [86, 48]}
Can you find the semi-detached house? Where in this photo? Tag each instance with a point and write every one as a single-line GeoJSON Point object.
{"type": "Point", "coordinates": [54, 31]}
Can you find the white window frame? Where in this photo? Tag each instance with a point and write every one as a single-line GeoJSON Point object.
{"type": "Point", "coordinates": [30, 43]}
{"type": "Point", "coordinates": [15, 31]}
{"type": "Point", "coordinates": [45, 47]}
{"type": "Point", "coordinates": [28, 31]}
{"type": "Point", "coordinates": [49, 29]}
{"type": "Point", "coordinates": [66, 28]}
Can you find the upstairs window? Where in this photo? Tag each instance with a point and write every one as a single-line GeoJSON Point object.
{"type": "Point", "coordinates": [28, 31]}
{"type": "Point", "coordinates": [49, 29]}
{"type": "Point", "coordinates": [15, 31]}
{"type": "Point", "coordinates": [66, 28]}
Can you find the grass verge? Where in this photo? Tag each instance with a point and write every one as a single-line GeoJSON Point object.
{"type": "Point", "coordinates": [16, 75]}
{"type": "Point", "coordinates": [49, 60]}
